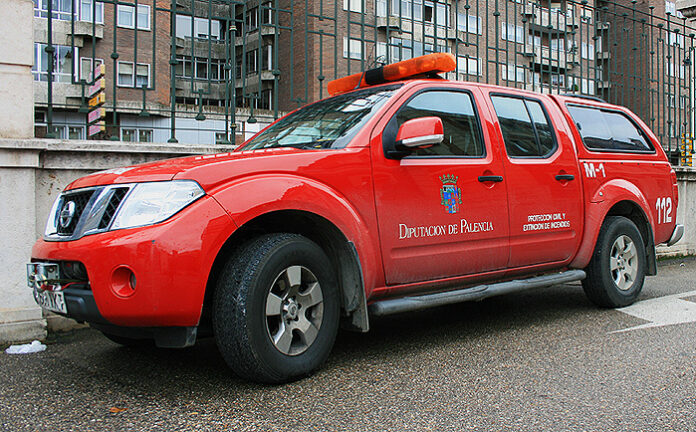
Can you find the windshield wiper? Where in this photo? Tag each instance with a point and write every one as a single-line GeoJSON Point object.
{"type": "Point", "coordinates": [310, 145]}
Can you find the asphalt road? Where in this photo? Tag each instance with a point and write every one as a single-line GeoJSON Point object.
{"type": "Point", "coordinates": [540, 360]}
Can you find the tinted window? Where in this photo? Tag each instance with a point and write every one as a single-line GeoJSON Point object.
{"type": "Point", "coordinates": [526, 129]}
{"type": "Point", "coordinates": [593, 129]}
{"type": "Point", "coordinates": [459, 120]}
{"type": "Point", "coordinates": [608, 130]}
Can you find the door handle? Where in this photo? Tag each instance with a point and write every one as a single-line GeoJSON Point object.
{"type": "Point", "coordinates": [490, 178]}
{"type": "Point", "coordinates": [561, 177]}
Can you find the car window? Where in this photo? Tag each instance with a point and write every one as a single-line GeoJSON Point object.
{"type": "Point", "coordinates": [526, 129]}
{"type": "Point", "coordinates": [592, 127]}
{"type": "Point", "coordinates": [608, 130]}
{"type": "Point", "coordinates": [624, 133]}
{"type": "Point", "coordinates": [456, 110]}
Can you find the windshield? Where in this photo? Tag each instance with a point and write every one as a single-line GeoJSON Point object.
{"type": "Point", "coordinates": [330, 123]}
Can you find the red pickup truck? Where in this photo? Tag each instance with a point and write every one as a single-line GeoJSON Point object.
{"type": "Point", "coordinates": [400, 195]}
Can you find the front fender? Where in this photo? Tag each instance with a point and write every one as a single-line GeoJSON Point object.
{"type": "Point", "coordinates": [254, 196]}
{"type": "Point", "coordinates": [599, 205]}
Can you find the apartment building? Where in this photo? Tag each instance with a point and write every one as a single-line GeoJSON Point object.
{"type": "Point", "coordinates": [525, 44]}
{"type": "Point", "coordinates": [147, 56]}
{"type": "Point", "coordinates": [205, 71]}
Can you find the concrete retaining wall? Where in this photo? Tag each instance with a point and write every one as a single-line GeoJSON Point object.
{"type": "Point", "coordinates": [33, 172]}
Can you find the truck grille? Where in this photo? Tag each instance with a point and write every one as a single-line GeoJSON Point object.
{"type": "Point", "coordinates": [80, 199]}
{"type": "Point", "coordinates": [85, 211]}
{"type": "Point", "coordinates": [112, 206]}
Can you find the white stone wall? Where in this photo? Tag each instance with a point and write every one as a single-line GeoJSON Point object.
{"type": "Point", "coordinates": [16, 58]}
{"type": "Point", "coordinates": [32, 174]}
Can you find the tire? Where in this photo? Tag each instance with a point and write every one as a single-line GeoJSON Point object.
{"type": "Point", "coordinates": [616, 271]}
{"type": "Point", "coordinates": [276, 309]}
{"type": "Point", "coordinates": [130, 342]}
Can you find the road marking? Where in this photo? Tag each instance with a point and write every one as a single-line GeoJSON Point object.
{"type": "Point", "coordinates": [662, 311]}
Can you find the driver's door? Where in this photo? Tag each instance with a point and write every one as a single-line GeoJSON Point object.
{"type": "Point", "coordinates": [442, 211]}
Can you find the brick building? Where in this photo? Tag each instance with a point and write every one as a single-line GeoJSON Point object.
{"type": "Point", "coordinates": [210, 67]}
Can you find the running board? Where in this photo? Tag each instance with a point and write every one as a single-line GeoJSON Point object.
{"type": "Point", "coordinates": [480, 292]}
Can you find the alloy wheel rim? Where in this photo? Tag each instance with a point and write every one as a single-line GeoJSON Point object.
{"type": "Point", "coordinates": [294, 310]}
{"type": "Point", "coordinates": [623, 262]}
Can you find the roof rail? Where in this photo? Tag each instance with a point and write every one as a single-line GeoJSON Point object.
{"type": "Point", "coordinates": [592, 98]}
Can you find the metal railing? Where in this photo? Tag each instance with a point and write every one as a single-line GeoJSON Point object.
{"type": "Point", "coordinates": [204, 71]}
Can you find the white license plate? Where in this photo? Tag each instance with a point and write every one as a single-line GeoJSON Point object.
{"type": "Point", "coordinates": [51, 300]}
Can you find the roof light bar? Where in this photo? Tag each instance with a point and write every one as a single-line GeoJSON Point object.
{"type": "Point", "coordinates": [431, 63]}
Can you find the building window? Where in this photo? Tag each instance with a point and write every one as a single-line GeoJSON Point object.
{"type": "Point", "coordinates": [203, 28]}
{"type": "Point", "coordinates": [267, 13]}
{"type": "Point", "coordinates": [418, 10]}
{"type": "Point", "coordinates": [402, 49]}
{"type": "Point", "coordinates": [352, 48]}
{"type": "Point", "coordinates": [469, 23]}
{"type": "Point", "coordinates": [136, 135]}
{"type": "Point", "coordinates": [87, 68]}
{"type": "Point", "coordinates": [133, 77]}
{"type": "Point", "coordinates": [671, 9]}
{"type": "Point", "coordinates": [200, 68]}
{"type": "Point", "coordinates": [127, 17]}
{"type": "Point", "coordinates": [468, 66]}
{"type": "Point", "coordinates": [92, 9]}
{"type": "Point", "coordinates": [587, 51]}
{"type": "Point", "coordinates": [62, 9]}
{"type": "Point", "coordinates": [675, 38]}
{"type": "Point", "coordinates": [252, 62]}
{"type": "Point", "coordinates": [586, 15]}
{"type": "Point", "coordinates": [252, 19]}
{"type": "Point", "coordinates": [512, 72]}
{"type": "Point", "coordinates": [557, 44]}
{"type": "Point", "coordinates": [512, 32]}
{"type": "Point", "coordinates": [62, 63]}
{"type": "Point", "coordinates": [353, 5]}
{"type": "Point", "coordinates": [683, 101]}
{"type": "Point", "coordinates": [675, 70]}
{"type": "Point", "coordinates": [267, 58]}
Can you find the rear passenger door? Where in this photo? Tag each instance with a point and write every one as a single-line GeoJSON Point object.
{"type": "Point", "coordinates": [544, 185]}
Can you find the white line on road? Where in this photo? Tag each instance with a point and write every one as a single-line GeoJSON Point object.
{"type": "Point", "coordinates": [662, 311]}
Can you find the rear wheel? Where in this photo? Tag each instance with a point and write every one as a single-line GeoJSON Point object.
{"type": "Point", "coordinates": [616, 271]}
{"type": "Point", "coordinates": [276, 309]}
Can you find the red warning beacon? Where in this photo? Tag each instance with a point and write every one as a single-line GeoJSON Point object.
{"type": "Point", "coordinates": [431, 63]}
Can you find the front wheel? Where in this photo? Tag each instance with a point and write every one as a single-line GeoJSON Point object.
{"type": "Point", "coordinates": [616, 271]}
{"type": "Point", "coordinates": [276, 309]}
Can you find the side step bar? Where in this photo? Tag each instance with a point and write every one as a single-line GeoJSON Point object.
{"type": "Point", "coordinates": [480, 292]}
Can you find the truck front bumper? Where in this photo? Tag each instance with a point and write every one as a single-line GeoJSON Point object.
{"type": "Point", "coordinates": [146, 277]}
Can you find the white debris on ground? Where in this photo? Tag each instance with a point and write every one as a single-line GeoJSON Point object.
{"type": "Point", "coordinates": [29, 348]}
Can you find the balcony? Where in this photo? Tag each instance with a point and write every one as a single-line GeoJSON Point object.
{"type": "Point", "coordinates": [86, 29]}
{"type": "Point", "coordinates": [252, 37]}
{"type": "Point", "coordinates": [199, 47]}
{"type": "Point", "coordinates": [391, 23]}
{"type": "Point", "coordinates": [545, 19]}
{"type": "Point", "coordinates": [687, 7]}
{"type": "Point", "coordinates": [252, 79]}
{"type": "Point", "coordinates": [553, 58]}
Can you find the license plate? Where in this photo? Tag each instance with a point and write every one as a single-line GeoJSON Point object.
{"type": "Point", "coordinates": [43, 276]}
{"type": "Point", "coordinates": [51, 300]}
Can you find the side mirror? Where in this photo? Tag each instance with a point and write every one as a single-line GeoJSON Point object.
{"type": "Point", "coordinates": [420, 133]}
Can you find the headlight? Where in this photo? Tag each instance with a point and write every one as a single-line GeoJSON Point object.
{"type": "Point", "coordinates": [151, 203]}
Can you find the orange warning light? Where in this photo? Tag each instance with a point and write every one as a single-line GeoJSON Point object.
{"type": "Point", "coordinates": [431, 63]}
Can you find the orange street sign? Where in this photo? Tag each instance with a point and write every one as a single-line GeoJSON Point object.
{"type": "Point", "coordinates": [97, 100]}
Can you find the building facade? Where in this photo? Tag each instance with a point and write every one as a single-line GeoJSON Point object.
{"type": "Point", "coordinates": [206, 71]}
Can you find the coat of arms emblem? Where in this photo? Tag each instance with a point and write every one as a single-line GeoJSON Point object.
{"type": "Point", "coordinates": [450, 194]}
